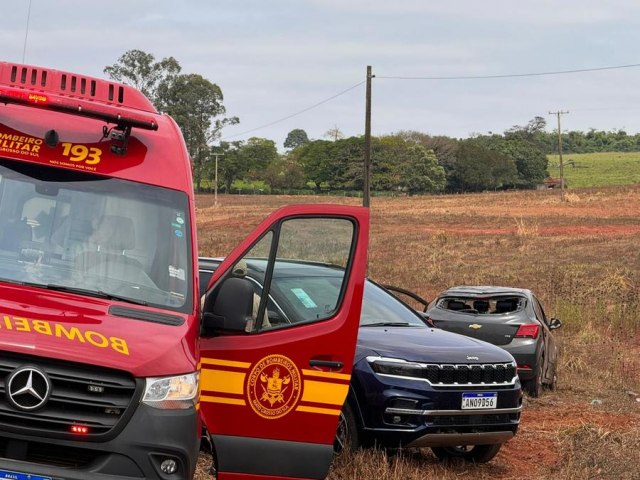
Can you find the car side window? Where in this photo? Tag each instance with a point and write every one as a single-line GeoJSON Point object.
{"type": "Point", "coordinates": [537, 307]}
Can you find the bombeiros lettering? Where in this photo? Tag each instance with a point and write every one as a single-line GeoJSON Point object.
{"type": "Point", "coordinates": [68, 333]}
{"type": "Point", "coordinates": [20, 143]}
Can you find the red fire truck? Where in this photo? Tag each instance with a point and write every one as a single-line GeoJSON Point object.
{"type": "Point", "coordinates": [110, 363]}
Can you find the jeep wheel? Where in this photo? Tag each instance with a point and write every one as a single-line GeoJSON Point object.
{"type": "Point", "coordinates": [347, 436]}
{"type": "Point", "coordinates": [468, 453]}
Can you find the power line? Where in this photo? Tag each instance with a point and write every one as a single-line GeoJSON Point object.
{"type": "Point", "coordinates": [513, 75]}
{"type": "Point", "coordinates": [295, 114]}
{"type": "Point", "coordinates": [463, 77]}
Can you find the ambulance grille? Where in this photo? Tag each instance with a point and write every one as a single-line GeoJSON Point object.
{"type": "Point", "coordinates": [82, 395]}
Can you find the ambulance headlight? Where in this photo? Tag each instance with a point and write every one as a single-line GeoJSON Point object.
{"type": "Point", "coordinates": [178, 392]}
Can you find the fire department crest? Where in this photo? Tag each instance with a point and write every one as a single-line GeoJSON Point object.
{"type": "Point", "coordinates": [273, 386]}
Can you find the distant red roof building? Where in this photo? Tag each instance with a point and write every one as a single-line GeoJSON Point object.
{"type": "Point", "coordinates": [553, 182]}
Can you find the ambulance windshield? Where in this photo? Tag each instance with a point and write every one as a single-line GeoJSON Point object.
{"type": "Point", "coordinates": [107, 236]}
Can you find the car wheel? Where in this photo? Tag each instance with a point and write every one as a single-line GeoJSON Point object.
{"type": "Point", "coordinates": [534, 386]}
{"type": "Point", "coordinates": [347, 435]}
{"type": "Point", "coordinates": [554, 383]}
{"type": "Point", "coordinates": [468, 453]}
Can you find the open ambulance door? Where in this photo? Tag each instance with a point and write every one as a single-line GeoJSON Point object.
{"type": "Point", "coordinates": [276, 357]}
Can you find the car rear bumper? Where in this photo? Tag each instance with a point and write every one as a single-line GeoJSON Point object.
{"type": "Point", "coordinates": [525, 353]}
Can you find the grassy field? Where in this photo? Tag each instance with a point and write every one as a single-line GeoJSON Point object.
{"type": "Point", "coordinates": [581, 257]}
{"type": "Point", "coordinates": [597, 169]}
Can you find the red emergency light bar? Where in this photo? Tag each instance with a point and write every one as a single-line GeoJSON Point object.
{"type": "Point", "coordinates": [77, 95]}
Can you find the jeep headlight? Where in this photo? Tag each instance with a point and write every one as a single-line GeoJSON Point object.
{"type": "Point", "coordinates": [396, 367]}
{"type": "Point", "coordinates": [179, 392]}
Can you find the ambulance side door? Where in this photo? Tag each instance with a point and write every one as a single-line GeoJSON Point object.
{"type": "Point", "coordinates": [273, 383]}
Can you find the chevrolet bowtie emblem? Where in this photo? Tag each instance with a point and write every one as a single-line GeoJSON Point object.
{"type": "Point", "coordinates": [475, 326]}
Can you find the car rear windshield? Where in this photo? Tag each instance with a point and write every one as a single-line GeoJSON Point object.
{"type": "Point", "coordinates": [498, 304]}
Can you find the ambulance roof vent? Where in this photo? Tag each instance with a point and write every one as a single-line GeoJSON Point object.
{"type": "Point", "coordinates": [46, 80]}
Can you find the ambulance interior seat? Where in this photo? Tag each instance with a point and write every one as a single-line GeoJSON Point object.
{"type": "Point", "coordinates": [114, 235]}
{"type": "Point", "coordinates": [15, 232]}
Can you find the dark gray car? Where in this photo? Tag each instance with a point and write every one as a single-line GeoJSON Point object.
{"type": "Point", "coordinates": [512, 318]}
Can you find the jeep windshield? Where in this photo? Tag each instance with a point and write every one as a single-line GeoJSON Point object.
{"type": "Point", "coordinates": [309, 291]}
{"type": "Point", "coordinates": [100, 236]}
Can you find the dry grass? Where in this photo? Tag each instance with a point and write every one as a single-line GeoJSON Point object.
{"type": "Point", "coordinates": [590, 451]}
{"type": "Point", "coordinates": [582, 259]}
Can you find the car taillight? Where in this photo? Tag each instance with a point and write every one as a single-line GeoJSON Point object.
{"type": "Point", "coordinates": [528, 330]}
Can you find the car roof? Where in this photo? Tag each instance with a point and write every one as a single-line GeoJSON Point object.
{"type": "Point", "coordinates": [484, 290]}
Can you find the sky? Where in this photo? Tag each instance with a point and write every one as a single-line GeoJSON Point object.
{"type": "Point", "coordinates": [275, 59]}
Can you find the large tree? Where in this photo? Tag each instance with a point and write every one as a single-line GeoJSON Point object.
{"type": "Point", "coordinates": [285, 173]}
{"type": "Point", "coordinates": [257, 154]}
{"type": "Point", "coordinates": [231, 166]}
{"type": "Point", "coordinates": [317, 162]}
{"type": "Point", "coordinates": [405, 166]}
{"type": "Point", "coordinates": [477, 168]}
{"type": "Point", "coordinates": [193, 101]}
{"type": "Point", "coordinates": [296, 138]}
{"type": "Point", "coordinates": [526, 146]}
{"type": "Point", "coordinates": [445, 148]}
{"type": "Point", "coordinates": [140, 70]}
{"type": "Point", "coordinates": [250, 160]}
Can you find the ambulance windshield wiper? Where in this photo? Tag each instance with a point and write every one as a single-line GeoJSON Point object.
{"type": "Point", "coordinates": [92, 293]}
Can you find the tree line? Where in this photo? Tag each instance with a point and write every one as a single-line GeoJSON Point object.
{"type": "Point", "coordinates": [408, 162]}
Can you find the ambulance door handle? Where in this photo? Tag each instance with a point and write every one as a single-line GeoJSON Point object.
{"type": "Point", "coordinates": [326, 363]}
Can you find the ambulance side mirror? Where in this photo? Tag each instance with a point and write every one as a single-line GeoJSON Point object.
{"type": "Point", "coordinates": [229, 308]}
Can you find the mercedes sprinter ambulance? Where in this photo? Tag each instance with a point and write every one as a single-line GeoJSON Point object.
{"type": "Point", "coordinates": [109, 365]}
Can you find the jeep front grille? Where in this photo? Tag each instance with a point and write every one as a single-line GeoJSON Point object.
{"type": "Point", "coordinates": [447, 375]}
{"type": "Point", "coordinates": [463, 374]}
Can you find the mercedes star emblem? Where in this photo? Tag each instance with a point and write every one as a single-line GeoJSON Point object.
{"type": "Point", "coordinates": [28, 388]}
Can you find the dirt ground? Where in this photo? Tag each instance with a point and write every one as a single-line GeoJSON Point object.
{"type": "Point", "coordinates": [581, 257]}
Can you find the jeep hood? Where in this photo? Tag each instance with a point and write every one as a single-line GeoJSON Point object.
{"type": "Point", "coordinates": [426, 345]}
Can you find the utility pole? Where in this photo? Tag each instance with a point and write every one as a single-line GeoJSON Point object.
{"type": "Point", "coordinates": [215, 181]}
{"type": "Point", "coordinates": [558, 113]}
{"type": "Point", "coordinates": [367, 142]}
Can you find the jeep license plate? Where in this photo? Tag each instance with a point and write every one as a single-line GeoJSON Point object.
{"type": "Point", "coordinates": [479, 401]}
{"type": "Point", "coordinates": [5, 475]}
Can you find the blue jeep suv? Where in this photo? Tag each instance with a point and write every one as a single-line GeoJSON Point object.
{"type": "Point", "coordinates": [412, 385]}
